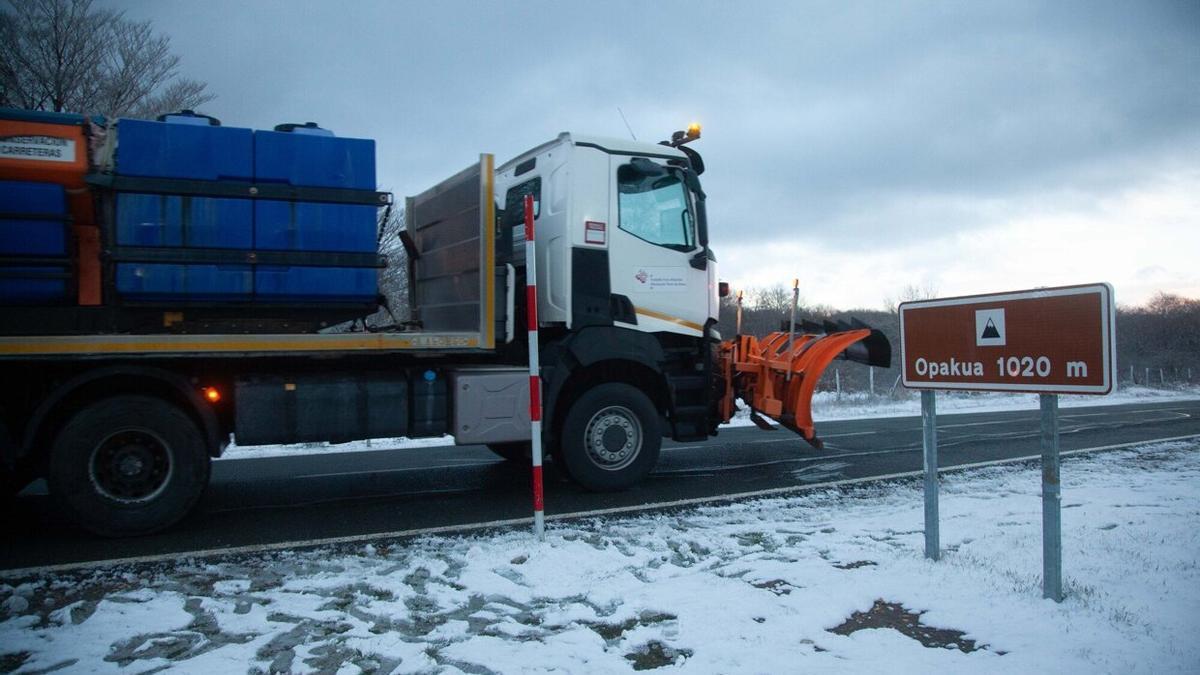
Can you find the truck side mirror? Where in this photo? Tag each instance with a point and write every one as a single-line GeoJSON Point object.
{"type": "Point", "coordinates": [723, 289]}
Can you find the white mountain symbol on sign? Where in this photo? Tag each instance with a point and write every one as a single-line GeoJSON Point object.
{"type": "Point", "coordinates": [989, 331]}
{"type": "Point", "coordinates": [989, 327]}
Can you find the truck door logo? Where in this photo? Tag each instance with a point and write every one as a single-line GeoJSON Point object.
{"type": "Point", "coordinates": [661, 279]}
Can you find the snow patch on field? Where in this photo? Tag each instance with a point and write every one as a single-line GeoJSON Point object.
{"type": "Point", "coordinates": [826, 582]}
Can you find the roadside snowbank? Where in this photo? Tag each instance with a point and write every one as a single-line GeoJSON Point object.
{"type": "Point", "coordinates": [751, 587]}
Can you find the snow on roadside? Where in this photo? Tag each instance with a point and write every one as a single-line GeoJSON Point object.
{"type": "Point", "coordinates": [826, 407]}
{"type": "Point", "coordinates": [748, 587]}
{"type": "Point", "coordinates": [235, 451]}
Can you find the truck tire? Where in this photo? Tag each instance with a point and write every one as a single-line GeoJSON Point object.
{"type": "Point", "coordinates": [520, 451]}
{"type": "Point", "coordinates": [128, 465]}
{"type": "Point", "coordinates": [611, 437]}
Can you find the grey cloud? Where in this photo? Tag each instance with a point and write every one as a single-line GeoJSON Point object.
{"type": "Point", "coordinates": [853, 124]}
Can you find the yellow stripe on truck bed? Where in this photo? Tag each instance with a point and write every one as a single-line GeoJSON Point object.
{"type": "Point", "coordinates": [96, 345]}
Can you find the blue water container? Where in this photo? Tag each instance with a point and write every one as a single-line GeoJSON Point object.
{"type": "Point", "coordinates": [170, 220]}
{"type": "Point", "coordinates": [45, 284]}
{"type": "Point", "coordinates": [307, 226]}
{"type": "Point", "coordinates": [44, 232]}
{"type": "Point", "coordinates": [306, 155]}
{"type": "Point", "coordinates": [328, 284]}
{"type": "Point", "coordinates": [33, 225]}
{"type": "Point", "coordinates": [175, 149]}
{"type": "Point", "coordinates": [158, 281]}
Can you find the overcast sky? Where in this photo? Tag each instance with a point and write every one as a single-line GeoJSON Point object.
{"type": "Point", "coordinates": [861, 147]}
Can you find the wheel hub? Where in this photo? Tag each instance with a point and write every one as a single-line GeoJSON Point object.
{"type": "Point", "coordinates": [130, 466]}
{"type": "Point", "coordinates": [613, 438]}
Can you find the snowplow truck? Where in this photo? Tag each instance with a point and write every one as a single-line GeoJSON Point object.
{"type": "Point", "coordinates": [169, 285]}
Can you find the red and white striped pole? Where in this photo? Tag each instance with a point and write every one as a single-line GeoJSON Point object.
{"type": "Point", "coordinates": [535, 379]}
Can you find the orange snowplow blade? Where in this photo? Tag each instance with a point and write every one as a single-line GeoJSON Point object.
{"type": "Point", "coordinates": [777, 375]}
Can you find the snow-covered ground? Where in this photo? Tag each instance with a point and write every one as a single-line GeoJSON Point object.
{"type": "Point", "coordinates": [830, 581]}
{"type": "Point", "coordinates": [826, 406]}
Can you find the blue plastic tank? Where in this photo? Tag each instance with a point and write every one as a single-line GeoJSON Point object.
{"type": "Point", "coordinates": [309, 156]}
{"type": "Point", "coordinates": [172, 220]}
{"type": "Point", "coordinates": [184, 149]}
{"type": "Point", "coordinates": [34, 225]}
{"type": "Point", "coordinates": [45, 284]}
{"type": "Point", "coordinates": [157, 281]}
{"type": "Point", "coordinates": [307, 226]}
{"type": "Point", "coordinates": [330, 284]}
{"type": "Point", "coordinates": [42, 234]}
{"type": "Point", "coordinates": [186, 145]}
{"type": "Point", "coordinates": [306, 155]}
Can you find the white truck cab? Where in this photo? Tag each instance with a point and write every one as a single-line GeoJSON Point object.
{"type": "Point", "coordinates": [621, 234]}
{"type": "Point", "coordinates": [627, 297]}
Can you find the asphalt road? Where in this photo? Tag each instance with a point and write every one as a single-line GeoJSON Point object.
{"type": "Point", "coordinates": [298, 498]}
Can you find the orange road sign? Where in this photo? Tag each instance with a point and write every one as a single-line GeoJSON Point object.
{"type": "Point", "coordinates": [1047, 340]}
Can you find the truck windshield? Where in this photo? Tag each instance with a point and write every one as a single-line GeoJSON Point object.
{"type": "Point", "coordinates": [654, 207]}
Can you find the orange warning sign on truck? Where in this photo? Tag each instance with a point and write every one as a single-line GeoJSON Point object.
{"type": "Point", "coordinates": [1047, 340]}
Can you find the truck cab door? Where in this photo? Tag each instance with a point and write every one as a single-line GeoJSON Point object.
{"type": "Point", "coordinates": [656, 258]}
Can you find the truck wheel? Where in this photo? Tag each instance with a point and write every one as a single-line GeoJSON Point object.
{"type": "Point", "coordinates": [128, 465]}
{"type": "Point", "coordinates": [514, 452]}
{"type": "Point", "coordinates": [611, 437]}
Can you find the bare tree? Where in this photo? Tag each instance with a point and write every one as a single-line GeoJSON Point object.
{"type": "Point", "coordinates": [64, 55]}
{"type": "Point", "coordinates": [776, 298]}
{"type": "Point", "coordinates": [924, 291]}
{"type": "Point", "coordinates": [393, 279]}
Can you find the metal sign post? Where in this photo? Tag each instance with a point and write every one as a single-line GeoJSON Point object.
{"type": "Point", "coordinates": [929, 427]}
{"type": "Point", "coordinates": [1051, 502]}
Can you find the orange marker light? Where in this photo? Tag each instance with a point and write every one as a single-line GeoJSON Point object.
{"type": "Point", "coordinates": [212, 395]}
